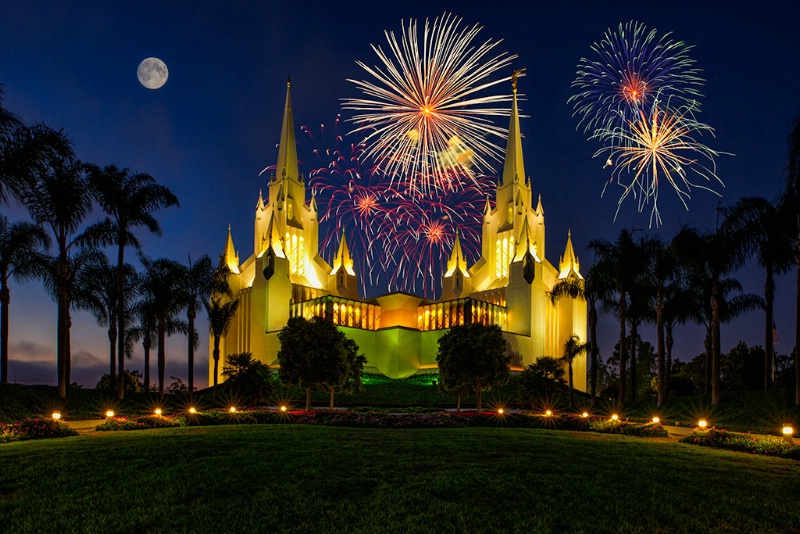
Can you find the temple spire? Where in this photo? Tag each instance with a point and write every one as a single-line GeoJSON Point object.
{"type": "Point", "coordinates": [457, 261]}
{"type": "Point", "coordinates": [343, 260]}
{"type": "Point", "coordinates": [568, 263]}
{"type": "Point", "coordinates": [513, 166]}
{"type": "Point", "coordinates": [230, 258]}
{"type": "Point", "coordinates": [287, 150]}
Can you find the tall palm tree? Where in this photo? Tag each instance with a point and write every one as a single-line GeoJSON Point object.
{"type": "Point", "coordinates": [790, 204]}
{"type": "Point", "coordinates": [96, 291]}
{"type": "Point", "coordinates": [21, 258]}
{"type": "Point", "coordinates": [129, 200]}
{"type": "Point", "coordinates": [59, 200]}
{"type": "Point", "coordinates": [595, 289]}
{"type": "Point", "coordinates": [161, 279]}
{"type": "Point", "coordinates": [767, 235]}
{"type": "Point", "coordinates": [220, 316]}
{"type": "Point", "coordinates": [572, 349]}
{"type": "Point", "coordinates": [201, 280]}
{"type": "Point", "coordinates": [622, 261]}
{"type": "Point", "coordinates": [714, 255]}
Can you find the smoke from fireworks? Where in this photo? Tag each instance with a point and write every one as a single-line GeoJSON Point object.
{"type": "Point", "coordinates": [427, 115]}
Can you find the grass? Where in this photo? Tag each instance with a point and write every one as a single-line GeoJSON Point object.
{"type": "Point", "coordinates": [321, 479]}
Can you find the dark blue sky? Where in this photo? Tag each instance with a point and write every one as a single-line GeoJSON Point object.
{"type": "Point", "coordinates": [210, 130]}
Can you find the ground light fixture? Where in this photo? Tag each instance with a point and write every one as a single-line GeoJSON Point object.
{"type": "Point", "coordinates": [702, 423]}
{"type": "Point", "coordinates": [158, 411]}
{"type": "Point", "coordinates": [656, 419]}
{"type": "Point", "coordinates": [585, 414]}
{"type": "Point", "coordinates": [56, 415]}
{"type": "Point", "coordinates": [232, 409]}
{"type": "Point", "coordinates": [192, 410]}
{"type": "Point", "coordinates": [788, 431]}
{"type": "Point", "coordinates": [283, 408]}
{"type": "Point", "coordinates": [614, 417]}
{"type": "Point", "coordinates": [110, 413]}
{"type": "Point", "coordinates": [500, 411]}
{"type": "Point", "coordinates": [548, 413]}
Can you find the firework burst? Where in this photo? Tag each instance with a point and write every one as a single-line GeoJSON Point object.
{"type": "Point", "coordinates": [659, 145]}
{"type": "Point", "coordinates": [631, 66]}
{"type": "Point", "coordinates": [426, 115]}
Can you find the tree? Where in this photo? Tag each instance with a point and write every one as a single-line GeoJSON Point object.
{"type": "Point", "coordinates": [145, 331]}
{"type": "Point", "coordinates": [572, 349]}
{"type": "Point", "coordinates": [201, 280]}
{"type": "Point", "coordinates": [767, 234]}
{"type": "Point", "coordinates": [713, 256]}
{"type": "Point", "coordinates": [132, 381]}
{"type": "Point", "coordinates": [220, 316]}
{"type": "Point", "coordinates": [790, 205]}
{"type": "Point", "coordinates": [21, 258]}
{"type": "Point", "coordinates": [248, 378]}
{"type": "Point", "coordinates": [621, 264]}
{"type": "Point", "coordinates": [129, 200]}
{"type": "Point", "coordinates": [96, 292]}
{"type": "Point", "coordinates": [542, 377]}
{"type": "Point", "coordinates": [59, 201]}
{"type": "Point", "coordinates": [473, 354]}
{"type": "Point", "coordinates": [161, 278]}
{"type": "Point", "coordinates": [316, 354]}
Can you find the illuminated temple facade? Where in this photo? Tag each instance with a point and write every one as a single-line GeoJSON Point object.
{"type": "Point", "coordinates": [509, 285]}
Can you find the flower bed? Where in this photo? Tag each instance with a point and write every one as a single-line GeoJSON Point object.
{"type": "Point", "coordinates": [722, 439]}
{"type": "Point", "coordinates": [141, 422]}
{"type": "Point", "coordinates": [34, 428]}
{"type": "Point", "coordinates": [381, 420]}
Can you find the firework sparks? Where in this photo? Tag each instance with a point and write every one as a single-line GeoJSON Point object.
{"type": "Point", "coordinates": [427, 112]}
{"type": "Point", "coordinates": [660, 145]}
{"type": "Point", "coordinates": [630, 68]}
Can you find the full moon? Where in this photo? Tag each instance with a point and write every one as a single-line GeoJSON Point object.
{"type": "Point", "coordinates": [152, 73]}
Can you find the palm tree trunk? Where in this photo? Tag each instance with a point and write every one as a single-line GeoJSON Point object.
{"type": "Point", "coordinates": [623, 352]}
{"type": "Point", "coordinates": [715, 342]}
{"type": "Point", "coordinates": [708, 344]}
{"type": "Point", "coordinates": [112, 346]}
{"type": "Point", "coordinates": [5, 298]}
{"type": "Point", "coordinates": [569, 367]}
{"type": "Point", "coordinates": [308, 399]}
{"type": "Point", "coordinates": [162, 355]}
{"type": "Point", "coordinates": [191, 314]}
{"type": "Point", "coordinates": [634, 339]}
{"type": "Point", "coordinates": [146, 366]}
{"type": "Point", "coordinates": [121, 242]}
{"type": "Point", "coordinates": [330, 403]}
{"type": "Point", "coordinates": [595, 351]}
{"type": "Point", "coordinates": [61, 339]}
{"type": "Point", "coordinates": [668, 371]}
{"type": "Point", "coordinates": [478, 396]}
{"type": "Point", "coordinates": [797, 319]}
{"type": "Point", "coordinates": [458, 402]}
{"type": "Point", "coordinates": [769, 301]}
{"type": "Point", "coordinates": [662, 391]}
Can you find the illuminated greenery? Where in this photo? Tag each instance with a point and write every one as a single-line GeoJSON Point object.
{"type": "Point", "coordinates": [266, 478]}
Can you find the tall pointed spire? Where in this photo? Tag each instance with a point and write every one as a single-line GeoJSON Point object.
{"type": "Point", "coordinates": [457, 261]}
{"type": "Point", "coordinates": [287, 150]}
{"type": "Point", "coordinates": [568, 263]}
{"type": "Point", "coordinates": [513, 166]}
{"type": "Point", "coordinates": [343, 260]}
{"type": "Point", "coordinates": [230, 258]}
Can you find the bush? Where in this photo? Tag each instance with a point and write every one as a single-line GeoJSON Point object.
{"type": "Point", "coordinates": [141, 422]}
{"type": "Point", "coordinates": [627, 428]}
{"type": "Point", "coordinates": [722, 439]}
{"type": "Point", "coordinates": [35, 428]}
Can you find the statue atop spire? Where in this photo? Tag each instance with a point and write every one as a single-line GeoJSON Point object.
{"type": "Point", "coordinates": [287, 149]}
{"type": "Point", "coordinates": [514, 166]}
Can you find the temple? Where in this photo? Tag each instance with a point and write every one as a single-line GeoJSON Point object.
{"type": "Point", "coordinates": [509, 285]}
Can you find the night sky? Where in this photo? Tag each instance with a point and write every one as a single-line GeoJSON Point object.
{"type": "Point", "coordinates": [214, 126]}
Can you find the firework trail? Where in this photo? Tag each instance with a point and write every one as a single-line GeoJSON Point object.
{"type": "Point", "coordinates": [426, 113]}
{"type": "Point", "coordinates": [661, 145]}
{"type": "Point", "coordinates": [630, 67]}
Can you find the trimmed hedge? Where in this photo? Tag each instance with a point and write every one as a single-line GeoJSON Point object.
{"type": "Point", "coordinates": [733, 441]}
{"type": "Point", "coordinates": [35, 428]}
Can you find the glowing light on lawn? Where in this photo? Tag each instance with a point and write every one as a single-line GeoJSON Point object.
{"type": "Point", "coordinates": [283, 408]}
{"type": "Point", "coordinates": [702, 423]}
{"type": "Point", "coordinates": [656, 419]}
{"type": "Point", "coordinates": [500, 411]}
{"type": "Point", "coordinates": [56, 415]}
{"type": "Point", "coordinates": [788, 430]}
{"type": "Point", "coordinates": [192, 410]}
{"type": "Point", "coordinates": [232, 409]}
{"type": "Point", "coordinates": [548, 413]}
{"type": "Point", "coordinates": [158, 411]}
{"type": "Point", "coordinates": [614, 417]}
{"type": "Point", "coordinates": [585, 414]}
{"type": "Point", "coordinates": [110, 413]}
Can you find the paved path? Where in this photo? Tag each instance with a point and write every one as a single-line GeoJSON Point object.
{"type": "Point", "coordinates": [87, 425]}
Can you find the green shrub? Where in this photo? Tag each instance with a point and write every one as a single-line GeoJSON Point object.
{"type": "Point", "coordinates": [722, 439]}
{"type": "Point", "coordinates": [141, 422]}
{"type": "Point", "coordinates": [35, 428]}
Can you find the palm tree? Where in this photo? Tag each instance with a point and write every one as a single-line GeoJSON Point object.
{"type": "Point", "coordinates": [572, 349]}
{"type": "Point", "coordinates": [622, 262]}
{"type": "Point", "coordinates": [129, 200]}
{"type": "Point", "coordinates": [594, 289]}
{"type": "Point", "coordinates": [790, 204]}
{"type": "Point", "coordinates": [712, 255]}
{"type": "Point", "coordinates": [247, 377]}
{"type": "Point", "coordinates": [201, 280]}
{"type": "Point", "coordinates": [767, 235]}
{"type": "Point", "coordinates": [59, 200]}
{"type": "Point", "coordinates": [96, 291]}
{"type": "Point", "coordinates": [21, 258]}
{"type": "Point", "coordinates": [220, 317]}
{"type": "Point", "coordinates": [161, 278]}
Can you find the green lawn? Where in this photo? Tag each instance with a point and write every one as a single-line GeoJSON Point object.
{"type": "Point", "coordinates": [264, 478]}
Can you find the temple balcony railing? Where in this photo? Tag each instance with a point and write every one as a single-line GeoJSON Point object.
{"type": "Point", "coordinates": [442, 315]}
